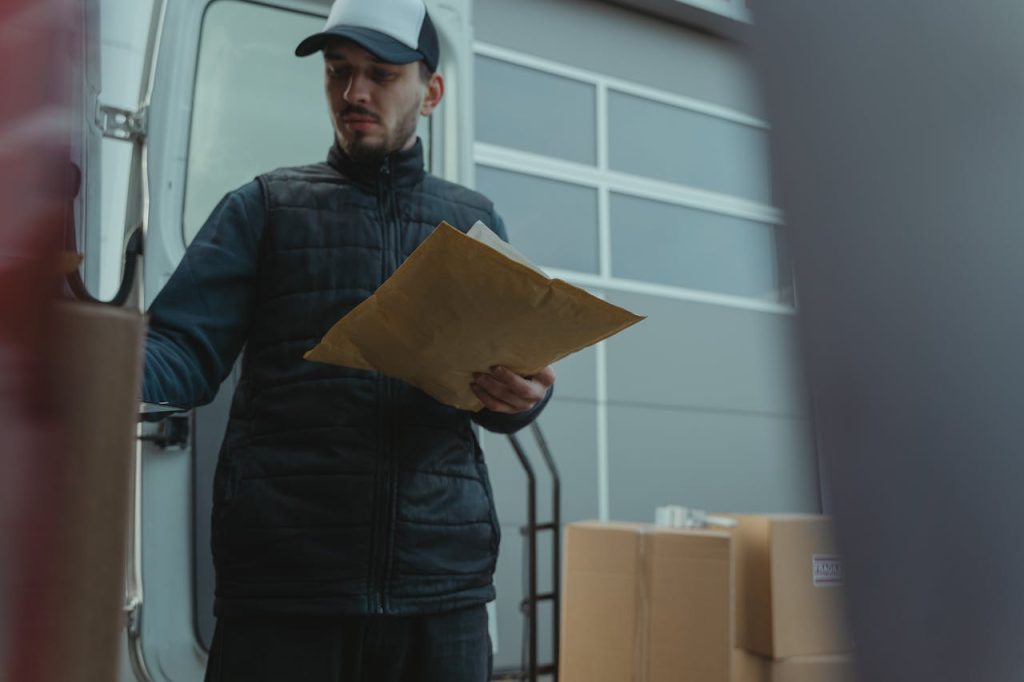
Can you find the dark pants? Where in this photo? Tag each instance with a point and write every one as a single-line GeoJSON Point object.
{"type": "Point", "coordinates": [448, 647]}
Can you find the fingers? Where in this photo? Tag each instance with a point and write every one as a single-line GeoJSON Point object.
{"type": "Point", "coordinates": [490, 402]}
{"type": "Point", "coordinates": [510, 388]}
{"type": "Point", "coordinates": [502, 390]}
{"type": "Point", "coordinates": [545, 377]}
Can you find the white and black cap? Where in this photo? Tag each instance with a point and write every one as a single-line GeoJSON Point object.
{"type": "Point", "coordinates": [394, 31]}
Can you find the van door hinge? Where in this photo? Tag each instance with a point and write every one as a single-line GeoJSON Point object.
{"type": "Point", "coordinates": [122, 124]}
{"type": "Point", "coordinates": [133, 617]}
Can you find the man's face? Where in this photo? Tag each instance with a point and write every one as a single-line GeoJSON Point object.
{"type": "Point", "coordinates": [375, 105]}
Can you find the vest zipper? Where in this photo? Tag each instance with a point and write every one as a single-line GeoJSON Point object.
{"type": "Point", "coordinates": [388, 490]}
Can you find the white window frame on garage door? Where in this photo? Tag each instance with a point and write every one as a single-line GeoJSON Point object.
{"type": "Point", "coordinates": [606, 181]}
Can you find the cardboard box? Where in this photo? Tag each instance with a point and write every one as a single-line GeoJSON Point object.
{"type": "Point", "coordinates": [836, 668]}
{"type": "Point", "coordinates": [96, 373]}
{"type": "Point", "coordinates": [789, 594]}
{"type": "Point", "coordinates": [748, 667]}
{"type": "Point", "coordinates": [646, 603]}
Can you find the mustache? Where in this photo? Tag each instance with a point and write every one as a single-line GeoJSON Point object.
{"type": "Point", "coordinates": [356, 110]}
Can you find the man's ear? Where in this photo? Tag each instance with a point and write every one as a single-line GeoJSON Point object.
{"type": "Point", "coordinates": [435, 91]}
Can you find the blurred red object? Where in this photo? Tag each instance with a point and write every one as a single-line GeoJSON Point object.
{"type": "Point", "coordinates": [37, 41]}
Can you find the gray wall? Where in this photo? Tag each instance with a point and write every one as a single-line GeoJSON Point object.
{"type": "Point", "coordinates": [705, 410]}
{"type": "Point", "coordinates": [705, 404]}
{"type": "Point", "coordinates": [623, 43]}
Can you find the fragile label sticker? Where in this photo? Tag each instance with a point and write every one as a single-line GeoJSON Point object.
{"type": "Point", "coordinates": [827, 570]}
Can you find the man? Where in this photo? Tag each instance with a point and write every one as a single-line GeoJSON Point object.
{"type": "Point", "coordinates": [354, 532]}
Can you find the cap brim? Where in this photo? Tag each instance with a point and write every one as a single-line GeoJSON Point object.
{"type": "Point", "coordinates": [381, 46]}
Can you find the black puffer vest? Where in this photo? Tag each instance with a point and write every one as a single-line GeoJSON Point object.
{"type": "Point", "coordinates": [342, 491]}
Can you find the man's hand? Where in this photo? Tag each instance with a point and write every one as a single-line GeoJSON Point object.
{"type": "Point", "coordinates": [502, 390]}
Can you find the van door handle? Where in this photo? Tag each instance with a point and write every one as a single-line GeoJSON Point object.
{"type": "Point", "coordinates": [170, 433]}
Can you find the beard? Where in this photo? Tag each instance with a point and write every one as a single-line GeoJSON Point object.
{"type": "Point", "coordinates": [369, 154]}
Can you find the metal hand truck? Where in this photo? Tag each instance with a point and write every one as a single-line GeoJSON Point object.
{"type": "Point", "coordinates": [532, 529]}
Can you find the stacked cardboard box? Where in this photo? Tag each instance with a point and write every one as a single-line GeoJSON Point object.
{"type": "Point", "coordinates": [647, 604]}
{"type": "Point", "coordinates": [760, 603]}
{"type": "Point", "coordinates": [748, 667]}
{"type": "Point", "coordinates": [790, 620]}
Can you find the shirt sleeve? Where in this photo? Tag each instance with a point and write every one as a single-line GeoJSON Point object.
{"type": "Point", "coordinates": [200, 320]}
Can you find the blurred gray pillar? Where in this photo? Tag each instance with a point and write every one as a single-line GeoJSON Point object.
{"type": "Point", "coordinates": [899, 161]}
